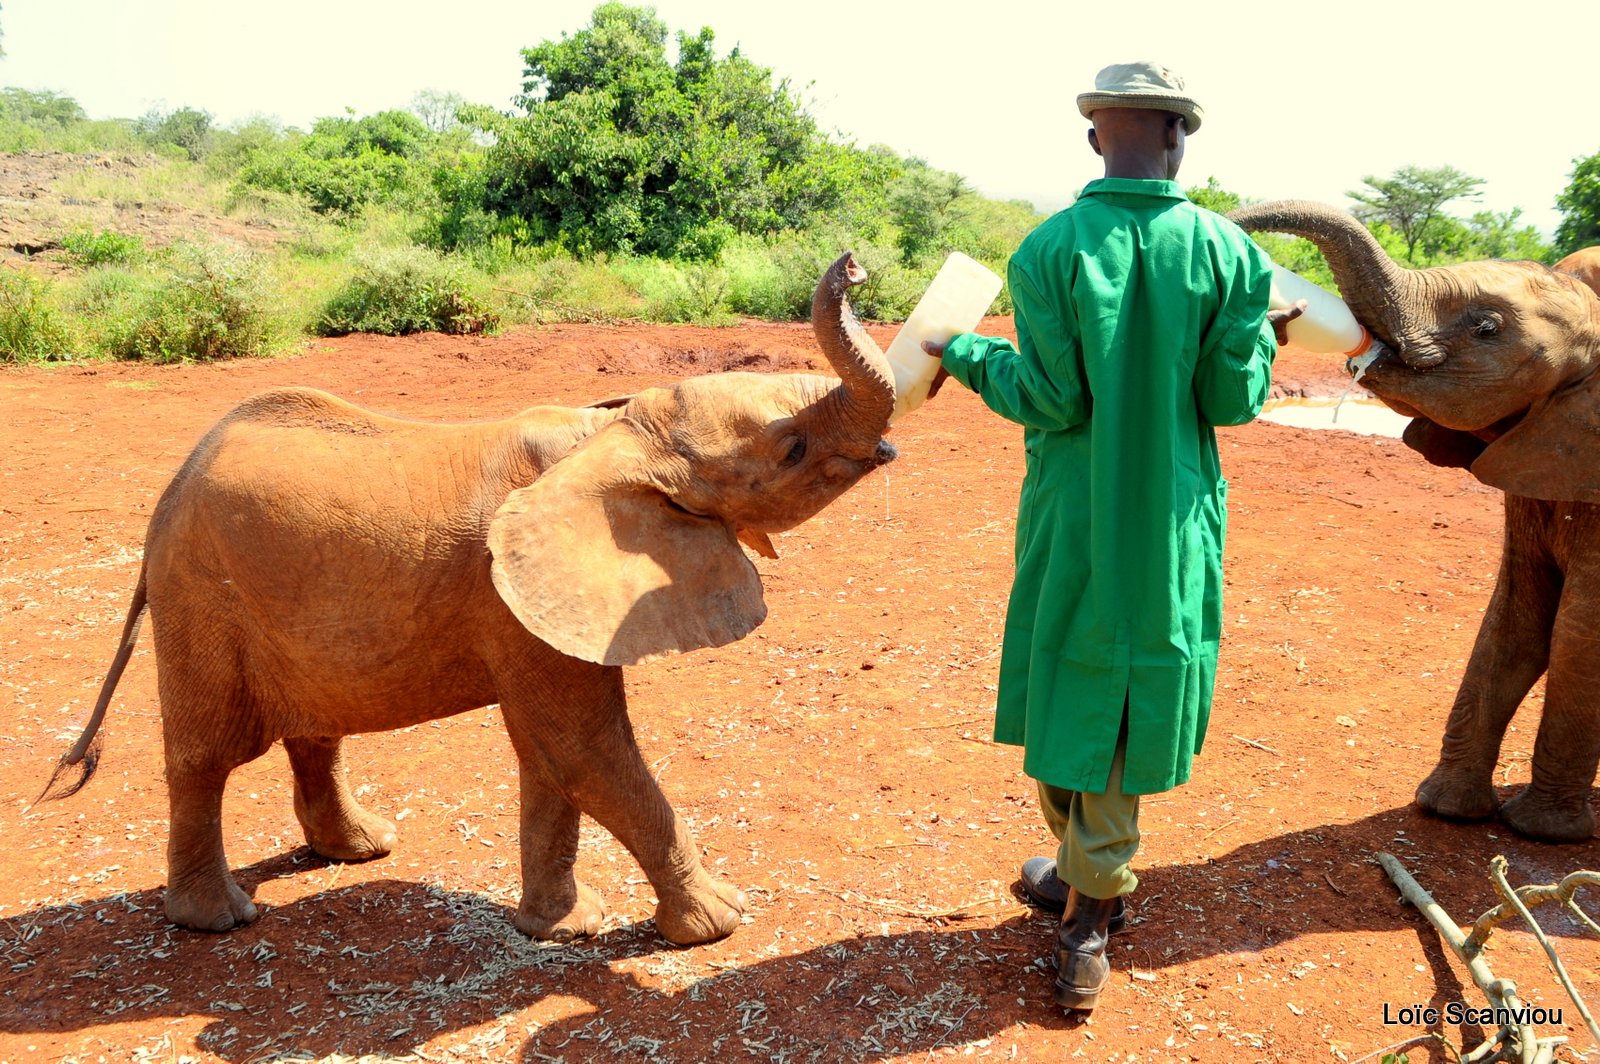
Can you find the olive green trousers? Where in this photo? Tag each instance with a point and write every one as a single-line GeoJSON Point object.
{"type": "Point", "coordinates": [1099, 833]}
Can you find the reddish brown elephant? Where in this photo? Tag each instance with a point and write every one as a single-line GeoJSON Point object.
{"type": "Point", "coordinates": [1498, 364]}
{"type": "Point", "coordinates": [1584, 264]}
{"type": "Point", "coordinates": [316, 570]}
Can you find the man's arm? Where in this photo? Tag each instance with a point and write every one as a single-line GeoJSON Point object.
{"type": "Point", "coordinates": [1234, 370]}
{"type": "Point", "coordinates": [1039, 382]}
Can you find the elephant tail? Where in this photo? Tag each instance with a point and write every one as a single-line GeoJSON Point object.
{"type": "Point", "coordinates": [85, 753]}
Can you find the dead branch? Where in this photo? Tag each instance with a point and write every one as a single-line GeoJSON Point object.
{"type": "Point", "coordinates": [1513, 898]}
{"type": "Point", "coordinates": [1514, 1041]}
{"type": "Point", "coordinates": [1530, 896]}
{"type": "Point", "coordinates": [972, 910]}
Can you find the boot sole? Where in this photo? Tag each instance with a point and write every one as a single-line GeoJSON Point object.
{"type": "Point", "coordinates": [1076, 999]}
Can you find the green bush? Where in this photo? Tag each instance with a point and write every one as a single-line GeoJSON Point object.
{"type": "Point", "coordinates": [208, 302]}
{"type": "Point", "coordinates": [30, 328]}
{"type": "Point", "coordinates": [406, 290]}
{"type": "Point", "coordinates": [105, 247]}
{"type": "Point", "coordinates": [695, 292]}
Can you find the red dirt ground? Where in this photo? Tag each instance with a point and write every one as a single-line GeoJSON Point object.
{"type": "Point", "coordinates": [835, 765]}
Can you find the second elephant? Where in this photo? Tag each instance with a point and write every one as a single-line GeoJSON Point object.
{"type": "Point", "coordinates": [1498, 365]}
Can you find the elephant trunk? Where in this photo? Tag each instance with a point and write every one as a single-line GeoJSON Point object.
{"type": "Point", "coordinates": [866, 392]}
{"type": "Point", "coordinates": [1384, 296]}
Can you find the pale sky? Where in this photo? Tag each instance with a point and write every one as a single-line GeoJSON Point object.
{"type": "Point", "coordinates": [1301, 101]}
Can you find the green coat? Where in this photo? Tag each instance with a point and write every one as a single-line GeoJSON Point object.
{"type": "Point", "coordinates": [1140, 324]}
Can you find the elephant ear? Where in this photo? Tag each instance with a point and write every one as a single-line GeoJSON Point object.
{"type": "Point", "coordinates": [1553, 453]}
{"type": "Point", "coordinates": [597, 561]}
{"type": "Point", "coordinates": [1442, 446]}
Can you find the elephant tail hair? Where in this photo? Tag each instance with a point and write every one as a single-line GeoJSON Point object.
{"type": "Point", "coordinates": [84, 756]}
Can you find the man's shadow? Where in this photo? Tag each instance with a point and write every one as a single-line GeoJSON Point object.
{"type": "Point", "coordinates": [384, 966]}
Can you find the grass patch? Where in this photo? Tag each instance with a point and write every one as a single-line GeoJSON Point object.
{"type": "Point", "coordinates": [99, 248]}
{"type": "Point", "coordinates": [398, 291]}
{"type": "Point", "coordinates": [31, 328]}
{"type": "Point", "coordinates": [156, 182]}
{"type": "Point", "coordinates": [204, 303]}
{"type": "Point", "coordinates": [558, 288]}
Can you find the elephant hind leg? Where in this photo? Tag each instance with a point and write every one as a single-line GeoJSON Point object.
{"type": "Point", "coordinates": [201, 893]}
{"type": "Point", "coordinates": [335, 825]}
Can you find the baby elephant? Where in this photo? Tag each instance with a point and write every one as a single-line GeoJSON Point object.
{"type": "Point", "coordinates": [315, 570]}
{"type": "Point", "coordinates": [1498, 365]}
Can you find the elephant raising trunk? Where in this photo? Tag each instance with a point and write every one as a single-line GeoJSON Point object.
{"type": "Point", "coordinates": [1384, 296]}
{"type": "Point", "coordinates": [867, 397]}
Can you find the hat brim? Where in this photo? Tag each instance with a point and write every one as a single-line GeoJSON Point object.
{"type": "Point", "coordinates": [1186, 108]}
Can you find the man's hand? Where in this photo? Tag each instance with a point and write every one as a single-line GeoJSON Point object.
{"type": "Point", "coordinates": [1280, 320]}
{"type": "Point", "coordinates": [937, 351]}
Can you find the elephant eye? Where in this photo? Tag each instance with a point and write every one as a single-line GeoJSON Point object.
{"type": "Point", "coordinates": [796, 452]}
{"type": "Point", "coordinates": [1486, 325]}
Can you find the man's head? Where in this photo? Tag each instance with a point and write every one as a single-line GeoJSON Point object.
{"type": "Point", "coordinates": [1141, 115]}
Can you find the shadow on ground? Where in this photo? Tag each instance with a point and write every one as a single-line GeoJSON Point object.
{"type": "Point", "coordinates": [385, 966]}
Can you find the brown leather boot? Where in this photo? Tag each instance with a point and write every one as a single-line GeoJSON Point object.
{"type": "Point", "coordinates": [1082, 970]}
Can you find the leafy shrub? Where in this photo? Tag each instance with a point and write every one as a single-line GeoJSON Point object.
{"type": "Point", "coordinates": [187, 130]}
{"type": "Point", "coordinates": [105, 247]}
{"type": "Point", "coordinates": [30, 328]}
{"type": "Point", "coordinates": [344, 164]}
{"type": "Point", "coordinates": [695, 292]}
{"type": "Point", "coordinates": [402, 291]}
{"type": "Point", "coordinates": [209, 302]}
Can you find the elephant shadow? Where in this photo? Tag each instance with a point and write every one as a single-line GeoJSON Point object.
{"type": "Point", "coordinates": [384, 966]}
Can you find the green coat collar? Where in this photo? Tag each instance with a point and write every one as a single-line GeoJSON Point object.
{"type": "Point", "coordinates": [1129, 186]}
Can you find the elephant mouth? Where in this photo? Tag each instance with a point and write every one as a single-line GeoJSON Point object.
{"type": "Point", "coordinates": [884, 453]}
{"type": "Point", "coordinates": [675, 505]}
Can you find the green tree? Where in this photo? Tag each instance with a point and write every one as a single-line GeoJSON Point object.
{"type": "Point", "coordinates": [187, 128]}
{"type": "Point", "coordinates": [1410, 201]}
{"type": "Point", "coordinates": [345, 163]}
{"type": "Point", "coordinates": [621, 149]}
{"type": "Point", "coordinates": [922, 204]}
{"type": "Point", "coordinates": [44, 109]}
{"type": "Point", "coordinates": [1579, 204]}
{"type": "Point", "coordinates": [1496, 235]}
{"type": "Point", "coordinates": [1213, 197]}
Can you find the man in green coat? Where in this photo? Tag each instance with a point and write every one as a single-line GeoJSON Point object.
{"type": "Point", "coordinates": [1141, 323]}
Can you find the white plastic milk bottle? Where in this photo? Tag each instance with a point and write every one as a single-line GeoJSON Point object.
{"type": "Point", "coordinates": [954, 303]}
{"type": "Point", "coordinates": [1327, 326]}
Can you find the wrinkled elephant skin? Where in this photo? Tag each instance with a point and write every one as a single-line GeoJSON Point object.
{"type": "Point", "coordinates": [316, 570]}
{"type": "Point", "coordinates": [1498, 363]}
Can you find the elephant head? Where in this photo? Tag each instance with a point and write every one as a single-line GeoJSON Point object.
{"type": "Point", "coordinates": [1495, 361]}
{"type": "Point", "coordinates": [627, 548]}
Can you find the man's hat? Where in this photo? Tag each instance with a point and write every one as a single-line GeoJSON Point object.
{"type": "Point", "coordinates": [1145, 85]}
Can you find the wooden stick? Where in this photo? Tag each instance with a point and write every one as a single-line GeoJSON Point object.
{"type": "Point", "coordinates": [1258, 746]}
{"type": "Point", "coordinates": [1497, 872]}
{"type": "Point", "coordinates": [1502, 993]}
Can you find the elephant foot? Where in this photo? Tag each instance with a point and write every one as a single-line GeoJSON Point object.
{"type": "Point", "coordinates": [1541, 818]}
{"type": "Point", "coordinates": [705, 915]}
{"type": "Point", "coordinates": [1457, 796]}
{"type": "Point", "coordinates": [218, 906]}
{"type": "Point", "coordinates": [352, 834]}
{"type": "Point", "coordinates": [552, 921]}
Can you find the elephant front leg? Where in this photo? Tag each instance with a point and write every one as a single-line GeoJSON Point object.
{"type": "Point", "coordinates": [1554, 807]}
{"type": "Point", "coordinates": [555, 906]}
{"type": "Point", "coordinates": [588, 748]}
{"type": "Point", "coordinates": [1511, 652]}
{"type": "Point", "coordinates": [335, 825]}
